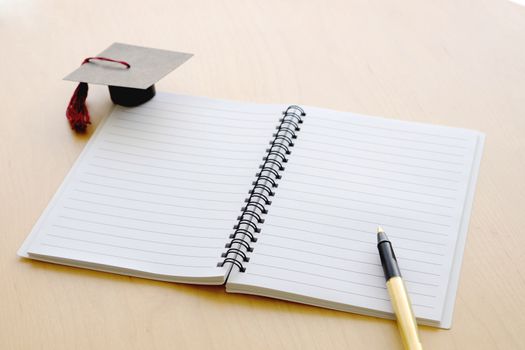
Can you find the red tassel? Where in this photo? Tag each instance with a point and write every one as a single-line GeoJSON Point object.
{"type": "Point", "coordinates": [77, 112]}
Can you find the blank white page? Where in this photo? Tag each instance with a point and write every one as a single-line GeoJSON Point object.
{"type": "Point", "coordinates": [347, 174]}
{"type": "Point", "coordinates": [157, 189]}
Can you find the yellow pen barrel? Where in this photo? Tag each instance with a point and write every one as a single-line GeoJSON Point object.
{"type": "Point", "coordinates": [406, 321]}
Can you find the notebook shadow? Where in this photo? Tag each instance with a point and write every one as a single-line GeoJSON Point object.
{"type": "Point", "coordinates": [216, 296]}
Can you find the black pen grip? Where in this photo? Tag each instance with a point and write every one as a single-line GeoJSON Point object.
{"type": "Point", "coordinates": [388, 260]}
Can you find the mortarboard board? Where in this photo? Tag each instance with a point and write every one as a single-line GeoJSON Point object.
{"type": "Point", "coordinates": [129, 71]}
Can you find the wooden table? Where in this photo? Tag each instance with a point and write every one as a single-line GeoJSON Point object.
{"type": "Point", "coordinates": [458, 63]}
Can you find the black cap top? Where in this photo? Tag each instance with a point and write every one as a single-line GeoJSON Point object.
{"type": "Point", "coordinates": [146, 66]}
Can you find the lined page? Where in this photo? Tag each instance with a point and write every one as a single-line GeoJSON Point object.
{"type": "Point", "coordinates": [347, 174]}
{"type": "Point", "coordinates": [157, 189]}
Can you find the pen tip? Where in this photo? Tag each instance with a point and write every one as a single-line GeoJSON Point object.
{"type": "Point", "coordinates": [381, 235]}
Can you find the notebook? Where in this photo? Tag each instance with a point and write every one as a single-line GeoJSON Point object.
{"type": "Point", "coordinates": [273, 200]}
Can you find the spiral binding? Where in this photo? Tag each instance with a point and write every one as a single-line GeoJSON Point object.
{"type": "Point", "coordinates": [246, 229]}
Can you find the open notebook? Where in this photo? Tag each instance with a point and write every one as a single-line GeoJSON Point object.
{"type": "Point", "coordinates": [284, 205]}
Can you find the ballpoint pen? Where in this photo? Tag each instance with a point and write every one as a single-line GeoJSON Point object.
{"type": "Point", "coordinates": [406, 321]}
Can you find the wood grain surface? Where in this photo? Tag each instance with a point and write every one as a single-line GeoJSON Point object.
{"type": "Point", "coordinates": [451, 62]}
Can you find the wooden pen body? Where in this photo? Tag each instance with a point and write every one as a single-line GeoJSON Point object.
{"type": "Point", "coordinates": [406, 321]}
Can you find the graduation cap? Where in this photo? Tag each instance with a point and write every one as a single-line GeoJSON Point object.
{"type": "Point", "coordinates": [129, 71]}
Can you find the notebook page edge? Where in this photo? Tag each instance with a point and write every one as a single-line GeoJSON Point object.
{"type": "Point", "coordinates": [297, 298]}
{"type": "Point", "coordinates": [218, 279]}
{"type": "Point", "coordinates": [448, 309]}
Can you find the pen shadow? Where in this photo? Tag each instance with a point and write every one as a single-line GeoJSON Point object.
{"type": "Point", "coordinates": [216, 296]}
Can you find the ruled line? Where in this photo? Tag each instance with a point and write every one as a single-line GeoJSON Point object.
{"type": "Point", "coordinates": [130, 248]}
{"type": "Point", "coordinates": [168, 160]}
{"type": "Point", "coordinates": [347, 239]}
{"type": "Point", "coordinates": [337, 257]}
{"type": "Point", "coordinates": [390, 145]}
{"type": "Point", "coordinates": [309, 262]}
{"type": "Point", "coordinates": [372, 177]}
{"type": "Point", "coordinates": [400, 155]}
{"type": "Point", "coordinates": [117, 126]}
{"type": "Point", "coordinates": [369, 252]}
{"type": "Point", "coordinates": [213, 108]}
{"type": "Point", "coordinates": [362, 166]}
{"type": "Point", "coordinates": [362, 192]}
{"type": "Point", "coordinates": [141, 220]}
{"type": "Point", "coordinates": [165, 176]}
{"type": "Point", "coordinates": [376, 186]}
{"type": "Point", "coordinates": [331, 278]}
{"type": "Point", "coordinates": [190, 154]}
{"type": "Point", "coordinates": [153, 202]}
{"type": "Point", "coordinates": [357, 240]}
{"type": "Point", "coordinates": [322, 244]}
{"type": "Point", "coordinates": [364, 211]}
{"type": "Point", "coordinates": [152, 193]}
{"type": "Point", "coordinates": [166, 168]}
{"type": "Point", "coordinates": [215, 116]}
{"type": "Point", "coordinates": [346, 248]}
{"type": "Point", "coordinates": [142, 210]}
{"type": "Point", "coordinates": [317, 275]}
{"type": "Point", "coordinates": [124, 257]}
{"type": "Point", "coordinates": [316, 286]}
{"type": "Point", "coordinates": [358, 220]}
{"type": "Point", "coordinates": [346, 122]}
{"type": "Point", "coordinates": [156, 184]}
{"type": "Point", "coordinates": [360, 272]}
{"type": "Point", "coordinates": [367, 202]}
{"type": "Point", "coordinates": [105, 234]}
{"type": "Point", "coordinates": [376, 135]}
{"type": "Point", "coordinates": [150, 116]}
{"type": "Point", "coordinates": [388, 171]}
{"type": "Point", "coordinates": [316, 253]}
{"type": "Point", "coordinates": [356, 271]}
{"type": "Point", "coordinates": [372, 160]}
{"type": "Point", "coordinates": [181, 144]}
{"type": "Point", "coordinates": [367, 193]}
{"type": "Point", "coordinates": [200, 131]}
{"type": "Point", "coordinates": [171, 234]}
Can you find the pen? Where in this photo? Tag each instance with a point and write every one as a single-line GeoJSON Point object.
{"type": "Point", "coordinates": [406, 321]}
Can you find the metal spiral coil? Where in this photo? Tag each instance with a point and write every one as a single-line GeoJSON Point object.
{"type": "Point", "coordinates": [252, 213]}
